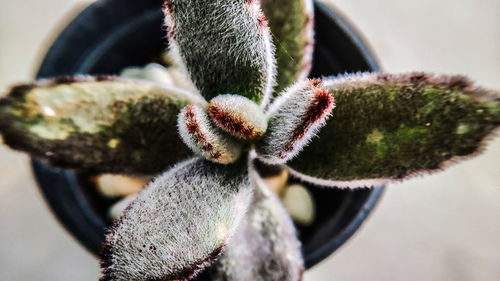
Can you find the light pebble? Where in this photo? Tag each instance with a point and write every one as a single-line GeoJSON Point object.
{"type": "Point", "coordinates": [299, 203]}
{"type": "Point", "coordinates": [111, 185]}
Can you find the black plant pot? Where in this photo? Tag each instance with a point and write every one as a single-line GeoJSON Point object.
{"type": "Point", "coordinates": [112, 34]}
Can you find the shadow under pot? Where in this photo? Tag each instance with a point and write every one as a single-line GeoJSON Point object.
{"type": "Point", "coordinates": [111, 35]}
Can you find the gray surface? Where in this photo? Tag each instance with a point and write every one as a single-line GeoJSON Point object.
{"type": "Point", "coordinates": [442, 227]}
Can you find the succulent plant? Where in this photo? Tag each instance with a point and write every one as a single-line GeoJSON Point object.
{"type": "Point", "coordinates": [209, 206]}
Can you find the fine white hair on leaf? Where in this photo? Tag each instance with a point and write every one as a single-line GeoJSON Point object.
{"type": "Point", "coordinates": [238, 116]}
{"type": "Point", "coordinates": [199, 134]}
{"type": "Point", "coordinates": [179, 223]}
{"type": "Point", "coordinates": [292, 29]}
{"type": "Point", "coordinates": [265, 247]}
{"type": "Point", "coordinates": [236, 38]}
{"type": "Point", "coordinates": [393, 127]}
{"type": "Point", "coordinates": [94, 122]}
{"type": "Point", "coordinates": [294, 118]}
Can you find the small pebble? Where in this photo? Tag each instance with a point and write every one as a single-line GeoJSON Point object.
{"type": "Point", "coordinates": [277, 182]}
{"type": "Point", "coordinates": [299, 203]}
{"type": "Point", "coordinates": [152, 72]}
{"type": "Point", "coordinates": [119, 185]}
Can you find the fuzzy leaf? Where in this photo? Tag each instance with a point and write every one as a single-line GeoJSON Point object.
{"type": "Point", "coordinates": [103, 124]}
{"type": "Point", "coordinates": [292, 29]}
{"type": "Point", "coordinates": [394, 126]}
{"type": "Point", "coordinates": [179, 223]}
{"type": "Point", "coordinates": [238, 116]}
{"type": "Point", "coordinates": [204, 138]}
{"type": "Point", "coordinates": [231, 53]}
{"type": "Point", "coordinates": [265, 247]}
{"type": "Point", "coordinates": [294, 118]}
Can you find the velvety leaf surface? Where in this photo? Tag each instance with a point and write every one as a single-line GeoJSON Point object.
{"type": "Point", "coordinates": [103, 124]}
{"type": "Point", "coordinates": [394, 126]}
{"type": "Point", "coordinates": [179, 224]}
{"type": "Point", "coordinates": [265, 246]}
{"type": "Point", "coordinates": [292, 30]}
{"type": "Point", "coordinates": [204, 138]}
{"type": "Point", "coordinates": [238, 116]}
{"type": "Point", "coordinates": [225, 46]}
{"type": "Point", "coordinates": [294, 118]}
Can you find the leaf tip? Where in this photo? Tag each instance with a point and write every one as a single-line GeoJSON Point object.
{"type": "Point", "coordinates": [199, 134]}
{"type": "Point", "coordinates": [238, 116]}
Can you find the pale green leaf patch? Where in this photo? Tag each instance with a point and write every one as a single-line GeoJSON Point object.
{"type": "Point", "coordinates": [104, 124]}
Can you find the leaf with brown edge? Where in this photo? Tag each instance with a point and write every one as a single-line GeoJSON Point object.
{"type": "Point", "coordinates": [179, 224]}
{"type": "Point", "coordinates": [102, 124]}
{"type": "Point", "coordinates": [238, 116]}
{"type": "Point", "coordinates": [292, 30]}
{"type": "Point", "coordinates": [265, 247]}
{"type": "Point", "coordinates": [224, 46]}
{"type": "Point", "coordinates": [294, 118]}
{"type": "Point", "coordinates": [391, 127]}
{"type": "Point", "coordinates": [199, 134]}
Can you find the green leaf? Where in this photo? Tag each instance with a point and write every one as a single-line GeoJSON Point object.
{"type": "Point", "coordinates": [200, 134]}
{"type": "Point", "coordinates": [103, 124]}
{"type": "Point", "coordinates": [225, 46]}
{"type": "Point", "coordinates": [238, 116]}
{"type": "Point", "coordinates": [292, 29]}
{"type": "Point", "coordinates": [294, 119]}
{"type": "Point", "coordinates": [394, 126]}
{"type": "Point", "coordinates": [266, 246]}
{"type": "Point", "coordinates": [179, 224]}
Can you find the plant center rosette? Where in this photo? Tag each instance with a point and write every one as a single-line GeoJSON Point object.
{"type": "Point", "coordinates": [231, 124]}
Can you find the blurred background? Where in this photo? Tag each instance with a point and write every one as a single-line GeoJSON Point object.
{"type": "Point", "coordinates": [441, 227]}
